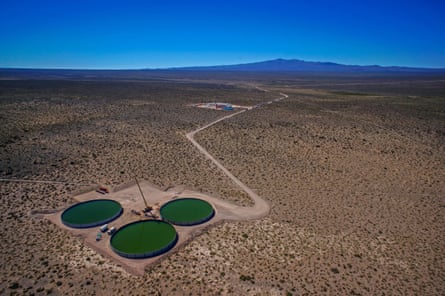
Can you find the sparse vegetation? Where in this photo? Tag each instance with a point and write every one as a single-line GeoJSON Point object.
{"type": "Point", "coordinates": [354, 183]}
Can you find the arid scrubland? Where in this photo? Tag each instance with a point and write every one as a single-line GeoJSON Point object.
{"type": "Point", "coordinates": [355, 177]}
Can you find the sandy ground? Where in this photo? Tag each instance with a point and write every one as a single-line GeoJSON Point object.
{"type": "Point", "coordinates": [353, 173]}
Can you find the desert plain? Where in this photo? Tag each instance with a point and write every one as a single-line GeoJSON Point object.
{"type": "Point", "coordinates": [353, 168]}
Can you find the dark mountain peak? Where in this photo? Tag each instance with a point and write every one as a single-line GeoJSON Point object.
{"type": "Point", "coordinates": [295, 65]}
{"type": "Point", "coordinates": [280, 60]}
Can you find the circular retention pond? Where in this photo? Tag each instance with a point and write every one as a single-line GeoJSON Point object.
{"type": "Point", "coordinates": [91, 213]}
{"type": "Point", "coordinates": [187, 211]}
{"type": "Point", "coordinates": [143, 239]}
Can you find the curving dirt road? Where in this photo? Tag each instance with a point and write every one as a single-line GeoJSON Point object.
{"type": "Point", "coordinates": [261, 207]}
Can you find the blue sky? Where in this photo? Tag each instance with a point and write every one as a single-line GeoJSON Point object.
{"type": "Point", "coordinates": [134, 34]}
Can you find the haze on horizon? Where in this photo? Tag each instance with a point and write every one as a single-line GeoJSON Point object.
{"type": "Point", "coordinates": [143, 34]}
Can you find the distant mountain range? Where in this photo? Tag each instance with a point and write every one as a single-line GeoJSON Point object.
{"type": "Point", "coordinates": [282, 65]}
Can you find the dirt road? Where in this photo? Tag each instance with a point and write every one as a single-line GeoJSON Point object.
{"type": "Point", "coordinates": [261, 207]}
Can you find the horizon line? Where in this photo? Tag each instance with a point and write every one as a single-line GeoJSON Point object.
{"type": "Point", "coordinates": [214, 65]}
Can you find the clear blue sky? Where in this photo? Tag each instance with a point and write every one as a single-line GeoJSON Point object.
{"type": "Point", "coordinates": [140, 34]}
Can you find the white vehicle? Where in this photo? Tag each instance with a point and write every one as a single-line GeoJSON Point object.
{"type": "Point", "coordinates": [104, 228]}
{"type": "Point", "coordinates": [112, 230]}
